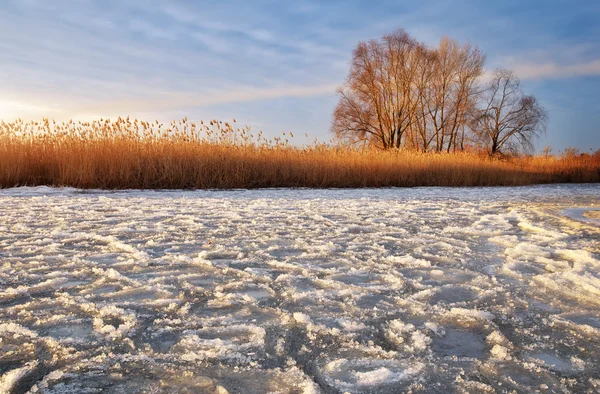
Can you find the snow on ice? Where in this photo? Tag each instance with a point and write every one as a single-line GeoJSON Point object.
{"type": "Point", "coordinates": [300, 291]}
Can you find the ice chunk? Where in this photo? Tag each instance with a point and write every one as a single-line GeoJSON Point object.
{"type": "Point", "coordinates": [360, 374]}
{"type": "Point", "coordinates": [12, 377]}
{"type": "Point", "coordinates": [408, 261]}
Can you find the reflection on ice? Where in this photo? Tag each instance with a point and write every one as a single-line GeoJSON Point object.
{"type": "Point", "coordinates": [551, 361]}
{"type": "Point", "coordinates": [590, 215]}
{"type": "Point", "coordinates": [460, 344]}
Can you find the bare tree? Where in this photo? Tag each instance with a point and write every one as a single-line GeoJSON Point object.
{"type": "Point", "coordinates": [452, 91]}
{"type": "Point", "coordinates": [509, 120]}
{"type": "Point", "coordinates": [401, 93]}
{"type": "Point", "coordinates": [377, 103]}
{"type": "Point", "coordinates": [422, 130]}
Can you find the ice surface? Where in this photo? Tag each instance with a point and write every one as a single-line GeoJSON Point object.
{"type": "Point", "coordinates": [300, 291]}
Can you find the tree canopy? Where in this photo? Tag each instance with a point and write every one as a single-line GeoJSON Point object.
{"type": "Point", "coordinates": [400, 93]}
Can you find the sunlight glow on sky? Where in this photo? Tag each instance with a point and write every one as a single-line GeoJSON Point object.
{"type": "Point", "coordinates": [275, 65]}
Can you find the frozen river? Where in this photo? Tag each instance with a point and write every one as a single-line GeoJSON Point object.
{"type": "Point", "coordinates": [300, 291]}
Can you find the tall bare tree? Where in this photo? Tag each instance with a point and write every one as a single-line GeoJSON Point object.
{"type": "Point", "coordinates": [423, 133]}
{"type": "Point", "coordinates": [509, 120]}
{"type": "Point", "coordinates": [377, 103]}
{"type": "Point", "coordinates": [401, 93]}
{"type": "Point", "coordinates": [451, 92]}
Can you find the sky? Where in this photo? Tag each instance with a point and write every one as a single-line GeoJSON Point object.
{"type": "Point", "coordinates": [275, 65]}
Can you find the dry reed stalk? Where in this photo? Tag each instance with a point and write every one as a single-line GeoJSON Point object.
{"type": "Point", "coordinates": [133, 154]}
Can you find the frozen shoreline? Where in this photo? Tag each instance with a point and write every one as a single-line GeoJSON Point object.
{"type": "Point", "coordinates": [510, 193]}
{"type": "Point", "coordinates": [346, 290]}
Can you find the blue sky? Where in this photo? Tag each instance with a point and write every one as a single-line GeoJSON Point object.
{"type": "Point", "coordinates": [274, 65]}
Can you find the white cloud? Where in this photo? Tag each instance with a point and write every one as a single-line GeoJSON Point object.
{"type": "Point", "coordinates": [11, 110]}
{"type": "Point", "coordinates": [173, 101]}
{"type": "Point", "coordinates": [214, 43]}
{"type": "Point", "coordinates": [561, 60]}
{"type": "Point", "coordinates": [153, 103]}
{"type": "Point", "coordinates": [550, 70]}
{"type": "Point", "coordinates": [151, 30]}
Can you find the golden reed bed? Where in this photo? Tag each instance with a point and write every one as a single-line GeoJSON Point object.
{"type": "Point", "coordinates": [132, 154]}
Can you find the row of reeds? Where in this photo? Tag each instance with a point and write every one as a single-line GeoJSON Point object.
{"type": "Point", "coordinates": [132, 154]}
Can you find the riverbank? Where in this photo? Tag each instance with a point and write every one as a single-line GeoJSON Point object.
{"type": "Point", "coordinates": [139, 155]}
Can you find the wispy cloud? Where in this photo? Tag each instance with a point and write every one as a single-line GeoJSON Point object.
{"type": "Point", "coordinates": [561, 60]}
{"type": "Point", "coordinates": [172, 101]}
{"type": "Point", "coordinates": [66, 106]}
{"type": "Point", "coordinates": [546, 71]}
{"type": "Point", "coordinates": [555, 71]}
{"type": "Point", "coordinates": [10, 110]}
